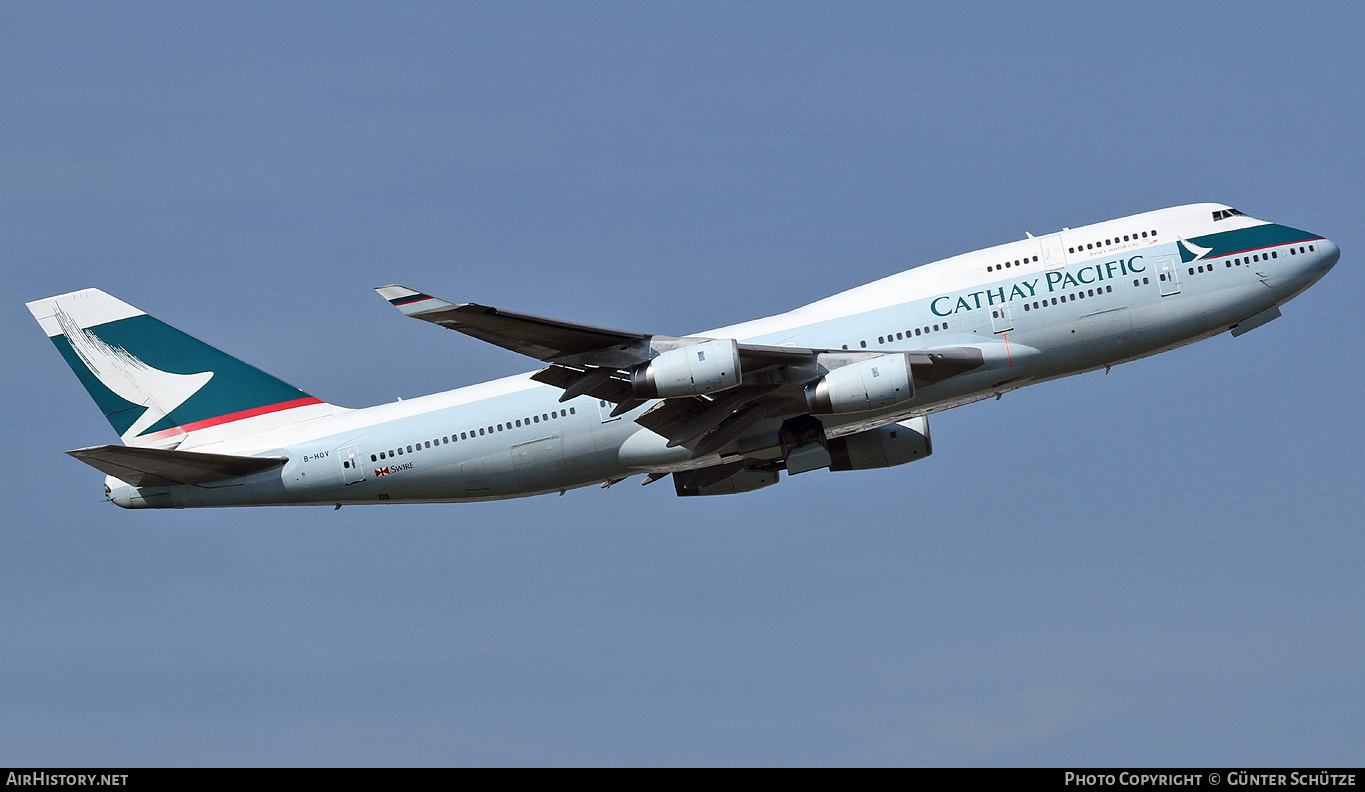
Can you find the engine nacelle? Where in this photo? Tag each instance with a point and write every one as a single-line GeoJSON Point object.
{"type": "Point", "coordinates": [885, 446]}
{"type": "Point", "coordinates": [689, 371]}
{"type": "Point", "coordinates": [869, 384]}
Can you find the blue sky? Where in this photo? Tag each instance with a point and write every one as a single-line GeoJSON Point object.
{"type": "Point", "coordinates": [1158, 566]}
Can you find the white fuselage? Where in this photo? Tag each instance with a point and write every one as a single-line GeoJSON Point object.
{"type": "Point", "coordinates": [1037, 309]}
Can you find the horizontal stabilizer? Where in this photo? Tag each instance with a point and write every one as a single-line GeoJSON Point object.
{"type": "Point", "coordinates": [144, 467]}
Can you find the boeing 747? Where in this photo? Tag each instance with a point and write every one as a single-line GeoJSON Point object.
{"type": "Point", "coordinates": [845, 383]}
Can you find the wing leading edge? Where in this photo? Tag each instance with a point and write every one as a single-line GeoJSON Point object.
{"type": "Point", "coordinates": [606, 364]}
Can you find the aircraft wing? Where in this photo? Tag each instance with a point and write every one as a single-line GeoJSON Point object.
{"type": "Point", "coordinates": [143, 467]}
{"type": "Point", "coordinates": [536, 336]}
{"type": "Point", "coordinates": [598, 362]}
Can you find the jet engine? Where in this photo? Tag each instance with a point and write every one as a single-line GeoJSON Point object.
{"type": "Point", "coordinates": [866, 385]}
{"type": "Point", "coordinates": [689, 371]}
{"type": "Point", "coordinates": [885, 446]}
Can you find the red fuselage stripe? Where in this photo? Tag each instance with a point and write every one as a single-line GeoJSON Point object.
{"type": "Point", "coordinates": [230, 417]}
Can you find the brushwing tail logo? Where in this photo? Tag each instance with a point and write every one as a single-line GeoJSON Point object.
{"type": "Point", "coordinates": [1192, 251]}
{"type": "Point", "coordinates": [131, 379]}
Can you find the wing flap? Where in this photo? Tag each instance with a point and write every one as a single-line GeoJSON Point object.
{"type": "Point", "coordinates": [143, 467]}
{"type": "Point", "coordinates": [614, 388]}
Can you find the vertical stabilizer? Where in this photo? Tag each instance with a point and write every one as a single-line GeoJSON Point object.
{"type": "Point", "coordinates": [156, 384]}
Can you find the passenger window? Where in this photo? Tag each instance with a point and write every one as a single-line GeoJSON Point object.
{"type": "Point", "coordinates": [536, 419]}
{"type": "Point", "coordinates": [518, 422]}
{"type": "Point", "coordinates": [573, 411]}
{"type": "Point", "coordinates": [900, 336]}
{"type": "Point", "coordinates": [546, 417]}
{"type": "Point", "coordinates": [916, 331]}
{"type": "Point", "coordinates": [936, 327]}
{"type": "Point", "coordinates": [862, 344]}
{"type": "Point", "coordinates": [373, 458]}
{"type": "Point", "coordinates": [945, 325]}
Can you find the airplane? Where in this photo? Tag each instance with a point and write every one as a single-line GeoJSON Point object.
{"type": "Point", "coordinates": [844, 383]}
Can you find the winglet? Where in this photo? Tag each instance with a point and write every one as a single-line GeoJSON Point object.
{"type": "Point", "coordinates": [410, 301]}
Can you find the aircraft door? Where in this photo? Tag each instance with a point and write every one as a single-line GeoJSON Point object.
{"type": "Point", "coordinates": [604, 409]}
{"type": "Point", "coordinates": [1168, 276]}
{"type": "Point", "coordinates": [1054, 255]}
{"type": "Point", "coordinates": [1001, 322]}
{"type": "Point", "coordinates": [352, 466]}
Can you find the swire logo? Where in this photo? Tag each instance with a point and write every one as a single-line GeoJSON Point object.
{"type": "Point", "coordinates": [381, 472]}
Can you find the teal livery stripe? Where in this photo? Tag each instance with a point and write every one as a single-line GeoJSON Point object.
{"type": "Point", "coordinates": [1246, 240]}
{"type": "Point", "coordinates": [235, 387]}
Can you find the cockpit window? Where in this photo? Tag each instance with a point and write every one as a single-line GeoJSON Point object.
{"type": "Point", "coordinates": [1223, 214]}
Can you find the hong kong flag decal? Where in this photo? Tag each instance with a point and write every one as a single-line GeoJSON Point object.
{"type": "Point", "coordinates": [381, 472]}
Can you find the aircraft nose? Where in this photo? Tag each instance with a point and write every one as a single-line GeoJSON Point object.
{"type": "Point", "coordinates": [1329, 253]}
